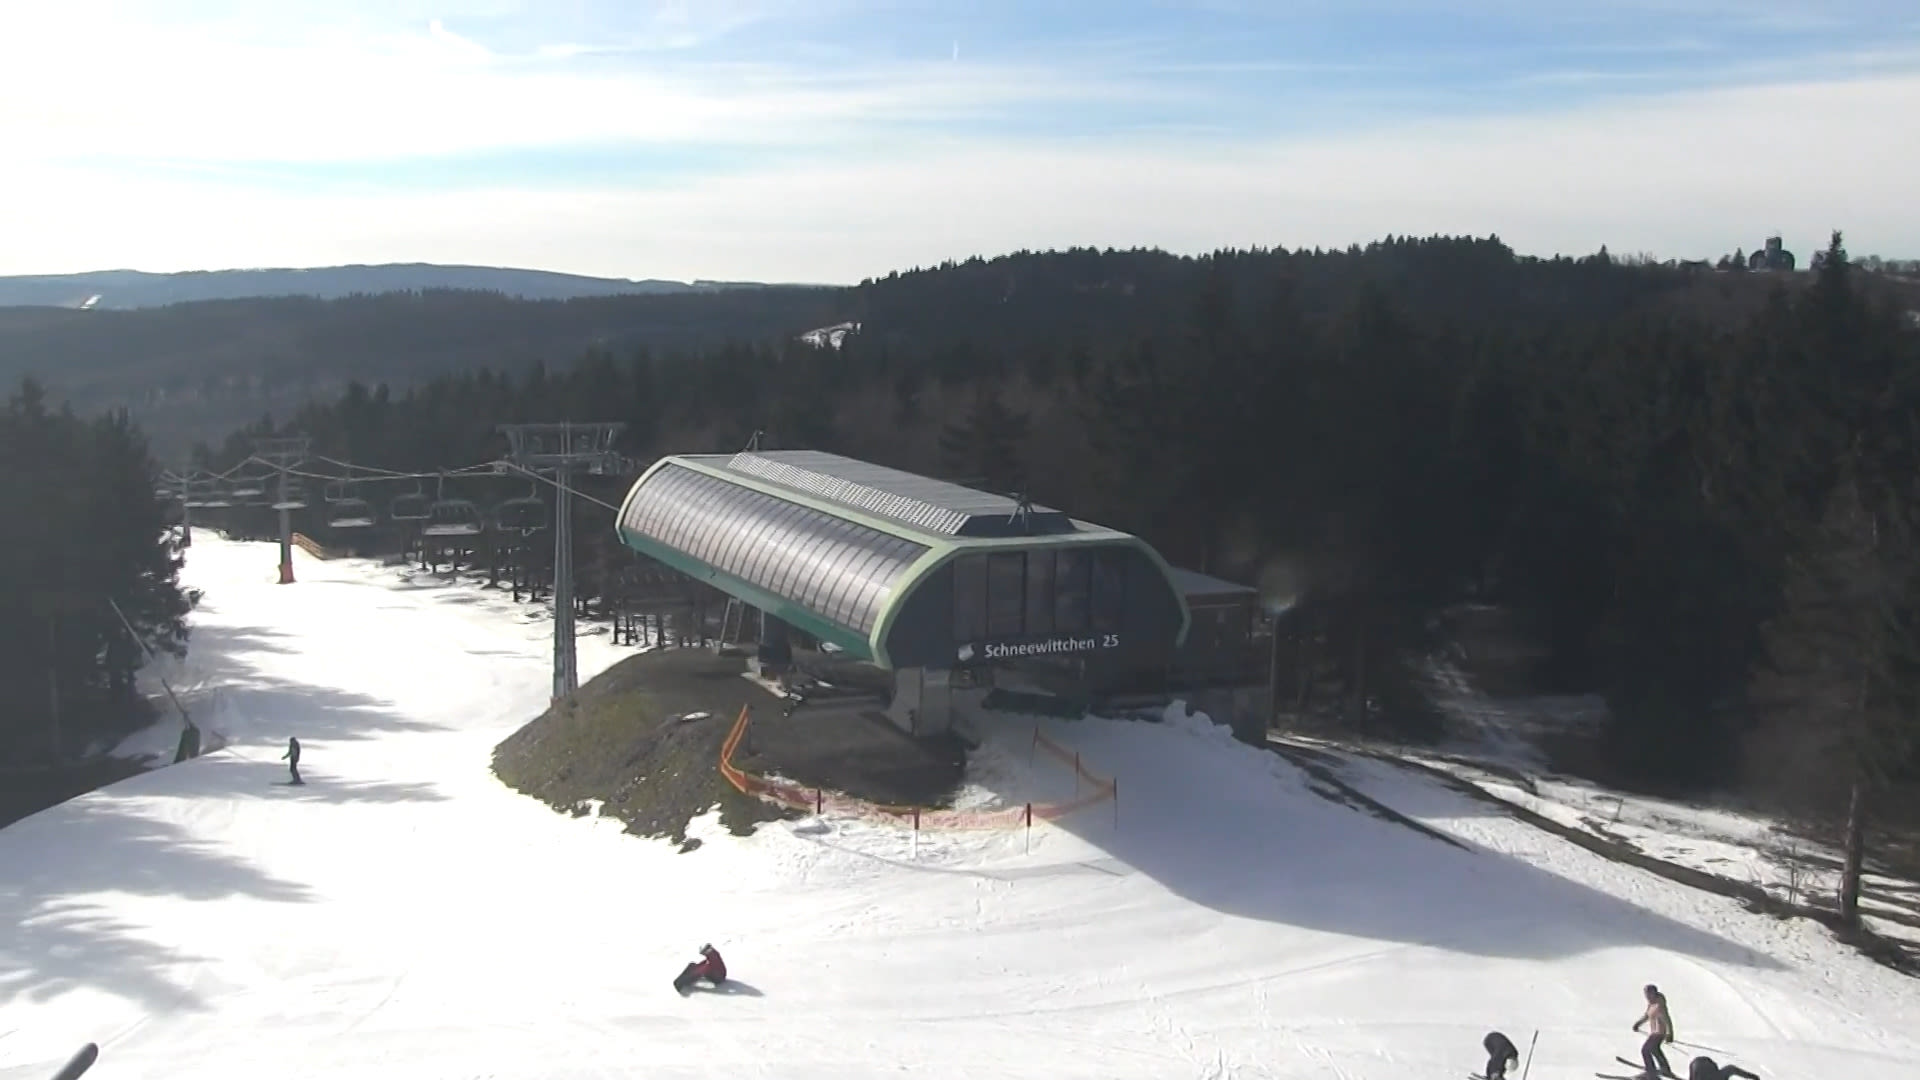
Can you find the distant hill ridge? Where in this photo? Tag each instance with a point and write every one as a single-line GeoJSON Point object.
{"type": "Point", "coordinates": [129, 289]}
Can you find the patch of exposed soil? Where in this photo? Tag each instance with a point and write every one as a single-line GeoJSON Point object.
{"type": "Point", "coordinates": [853, 748]}
{"type": "Point", "coordinates": [643, 739]}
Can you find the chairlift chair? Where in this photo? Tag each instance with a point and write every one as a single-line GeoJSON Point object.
{"type": "Point", "coordinates": [413, 506]}
{"type": "Point", "coordinates": [523, 515]}
{"type": "Point", "coordinates": [453, 517]}
{"type": "Point", "coordinates": [335, 491]}
{"type": "Point", "coordinates": [294, 499]}
{"type": "Point", "coordinates": [206, 495]}
{"type": "Point", "coordinates": [245, 493]}
{"type": "Point", "coordinates": [351, 514]}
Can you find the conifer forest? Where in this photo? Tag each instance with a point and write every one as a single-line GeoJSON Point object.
{"type": "Point", "coordinates": [1695, 491]}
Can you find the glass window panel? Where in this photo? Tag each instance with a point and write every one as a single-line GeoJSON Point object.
{"type": "Point", "coordinates": [969, 598]}
{"type": "Point", "coordinates": [1006, 593]}
{"type": "Point", "coordinates": [1040, 592]}
{"type": "Point", "coordinates": [1109, 589]}
{"type": "Point", "coordinates": [1072, 587]}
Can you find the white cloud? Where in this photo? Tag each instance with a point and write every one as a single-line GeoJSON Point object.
{"type": "Point", "coordinates": [1688, 175]}
{"type": "Point", "coordinates": [136, 91]}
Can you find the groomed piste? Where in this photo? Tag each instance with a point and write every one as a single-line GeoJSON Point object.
{"type": "Point", "coordinates": [405, 914]}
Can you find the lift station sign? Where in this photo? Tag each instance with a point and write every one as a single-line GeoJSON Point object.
{"type": "Point", "coordinates": [1053, 646]}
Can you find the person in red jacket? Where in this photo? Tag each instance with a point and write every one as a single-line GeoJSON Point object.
{"type": "Point", "coordinates": [709, 967]}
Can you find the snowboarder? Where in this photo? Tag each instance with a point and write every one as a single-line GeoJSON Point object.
{"type": "Point", "coordinates": [292, 758]}
{"type": "Point", "coordinates": [1705, 1068]}
{"type": "Point", "coordinates": [1501, 1055]}
{"type": "Point", "coordinates": [709, 967]}
{"type": "Point", "coordinates": [1659, 1024]}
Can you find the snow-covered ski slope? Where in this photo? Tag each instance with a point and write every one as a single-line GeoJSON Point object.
{"type": "Point", "coordinates": [405, 915]}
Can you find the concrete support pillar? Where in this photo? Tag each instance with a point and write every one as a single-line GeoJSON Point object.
{"type": "Point", "coordinates": [774, 654]}
{"type": "Point", "coordinates": [922, 701]}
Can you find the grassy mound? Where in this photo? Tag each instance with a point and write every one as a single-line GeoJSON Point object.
{"type": "Point", "coordinates": [626, 739]}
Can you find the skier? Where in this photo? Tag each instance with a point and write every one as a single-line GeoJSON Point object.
{"type": "Point", "coordinates": [292, 758]}
{"type": "Point", "coordinates": [1705, 1068]}
{"type": "Point", "coordinates": [1501, 1055]}
{"type": "Point", "coordinates": [1659, 1024]}
{"type": "Point", "coordinates": [709, 967]}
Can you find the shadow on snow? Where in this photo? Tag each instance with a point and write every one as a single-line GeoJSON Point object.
{"type": "Point", "coordinates": [1243, 833]}
{"type": "Point", "coordinates": [59, 939]}
{"type": "Point", "coordinates": [242, 702]}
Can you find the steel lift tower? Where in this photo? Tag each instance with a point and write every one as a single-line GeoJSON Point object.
{"type": "Point", "coordinates": [563, 449]}
{"type": "Point", "coordinates": [284, 454]}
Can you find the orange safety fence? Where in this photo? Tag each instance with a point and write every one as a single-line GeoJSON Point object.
{"type": "Point", "coordinates": [794, 796]}
{"type": "Point", "coordinates": [311, 546]}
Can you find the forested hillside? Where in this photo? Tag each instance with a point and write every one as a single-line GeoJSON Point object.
{"type": "Point", "coordinates": [1698, 490]}
{"type": "Point", "coordinates": [128, 289]}
{"type": "Point", "coordinates": [194, 370]}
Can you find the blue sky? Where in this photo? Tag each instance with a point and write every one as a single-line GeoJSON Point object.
{"type": "Point", "coordinates": [832, 139]}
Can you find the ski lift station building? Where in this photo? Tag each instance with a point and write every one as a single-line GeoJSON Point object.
{"type": "Point", "coordinates": [927, 579]}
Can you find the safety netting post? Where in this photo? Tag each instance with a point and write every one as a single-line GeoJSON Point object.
{"type": "Point", "coordinates": [1029, 828]}
{"type": "Point", "coordinates": [916, 833]}
{"type": "Point", "coordinates": [819, 803]}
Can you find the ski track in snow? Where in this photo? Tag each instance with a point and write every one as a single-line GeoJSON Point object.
{"type": "Point", "coordinates": [405, 914]}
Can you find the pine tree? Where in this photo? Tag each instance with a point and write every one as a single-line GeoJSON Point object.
{"type": "Point", "coordinates": [1830, 695]}
{"type": "Point", "coordinates": [97, 538]}
{"type": "Point", "coordinates": [987, 443]}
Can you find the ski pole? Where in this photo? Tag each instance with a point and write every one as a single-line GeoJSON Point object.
{"type": "Point", "coordinates": [1697, 1046]}
{"type": "Point", "coordinates": [1531, 1043]}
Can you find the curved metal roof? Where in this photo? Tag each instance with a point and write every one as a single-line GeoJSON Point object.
{"type": "Point", "coordinates": [820, 565]}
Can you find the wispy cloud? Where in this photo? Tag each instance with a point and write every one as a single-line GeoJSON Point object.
{"type": "Point", "coordinates": [829, 139]}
